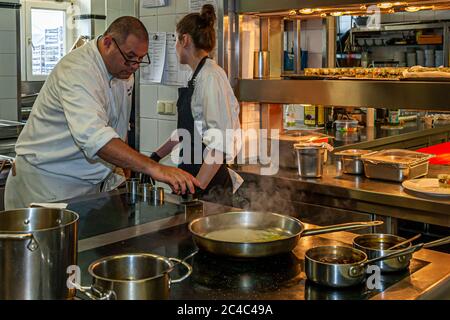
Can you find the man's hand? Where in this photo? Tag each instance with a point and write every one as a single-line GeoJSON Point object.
{"type": "Point", "coordinates": [180, 181]}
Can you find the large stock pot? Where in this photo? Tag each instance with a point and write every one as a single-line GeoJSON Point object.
{"type": "Point", "coordinates": [37, 245]}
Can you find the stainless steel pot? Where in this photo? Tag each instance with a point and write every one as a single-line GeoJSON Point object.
{"type": "Point", "coordinates": [37, 245]}
{"type": "Point", "coordinates": [310, 160]}
{"type": "Point", "coordinates": [351, 160]}
{"type": "Point", "coordinates": [375, 245]}
{"type": "Point", "coordinates": [291, 227]}
{"type": "Point", "coordinates": [338, 266]}
{"type": "Point", "coordinates": [287, 140]}
{"type": "Point", "coordinates": [140, 276]}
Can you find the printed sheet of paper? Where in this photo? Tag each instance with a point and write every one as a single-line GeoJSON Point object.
{"type": "Point", "coordinates": [157, 52]}
{"type": "Point", "coordinates": [175, 74]}
{"type": "Point", "coordinates": [153, 3]}
{"type": "Point", "coordinates": [196, 5]}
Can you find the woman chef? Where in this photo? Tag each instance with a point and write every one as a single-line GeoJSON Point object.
{"type": "Point", "coordinates": [207, 110]}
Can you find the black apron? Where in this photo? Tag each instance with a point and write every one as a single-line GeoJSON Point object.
{"type": "Point", "coordinates": [221, 184]}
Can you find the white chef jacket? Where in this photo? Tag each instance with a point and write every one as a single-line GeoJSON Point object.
{"type": "Point", "coordinates": [80, 108]}
{"type": "Point", "coordinates": [214, 106]}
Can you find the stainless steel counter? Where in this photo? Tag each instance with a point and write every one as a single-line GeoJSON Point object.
{"type": "Point", "coordinates": [281, 277]}
{"type": "Point", "coordinates": [346, 192]}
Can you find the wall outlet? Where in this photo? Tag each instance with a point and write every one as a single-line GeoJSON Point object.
{"type": "Point", "coordinates": [166, 107]}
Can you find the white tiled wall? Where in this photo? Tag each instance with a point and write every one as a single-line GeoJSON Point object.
{"type": "Point", "coordinates": [118, 8]}
{"type": "Point", "coordinates": [8, 64]}
{"type": "Point", "coordinates": [162, 19]}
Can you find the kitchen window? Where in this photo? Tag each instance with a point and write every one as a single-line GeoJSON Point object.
{"type": "Point", "coordinates": [48, 36]}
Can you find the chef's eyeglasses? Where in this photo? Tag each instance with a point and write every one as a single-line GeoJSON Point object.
{"type": "Point", "coordinates": [145, 61]}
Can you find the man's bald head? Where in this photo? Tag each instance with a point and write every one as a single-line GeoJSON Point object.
{"type": "Point", "coordinates": [122, 27]}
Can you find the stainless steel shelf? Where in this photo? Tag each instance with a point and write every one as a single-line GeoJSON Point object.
{"type": "Point", "coordinates": [402, 27]}
{"type": "Point", "coordinates": [350, 93]}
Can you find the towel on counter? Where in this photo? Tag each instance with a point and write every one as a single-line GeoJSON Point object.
{"type": "Point", "coordinates": [48, 205]}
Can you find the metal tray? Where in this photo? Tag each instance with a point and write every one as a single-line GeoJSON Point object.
{"type": "Point", "coordinates": [395, 164]}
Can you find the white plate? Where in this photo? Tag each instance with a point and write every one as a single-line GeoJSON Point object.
{"type": "Point", "coordinates": [427, 186]}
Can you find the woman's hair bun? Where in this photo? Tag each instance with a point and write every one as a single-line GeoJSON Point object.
{"type": "Point", "coordinates": [208, 15]}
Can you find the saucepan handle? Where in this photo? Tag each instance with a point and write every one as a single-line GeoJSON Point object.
{"type": "Point", "coordinates": [340, 227]}
{"type": "Point", "coordinates": [186, 265]}
{"type": "Point", "coordinates": [95, 293]}
{"type": "Point", "coordinates": [399, 253]}
{"type": "Point", "coordinates": [357, 270]}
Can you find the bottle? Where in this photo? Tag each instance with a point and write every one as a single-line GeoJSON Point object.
{"type": "Point", "coordinates": [314, 115]}
{"type": "Point", "coordinates": [394, 117]}
{"type": "Point", "coordinates": [290, 116]}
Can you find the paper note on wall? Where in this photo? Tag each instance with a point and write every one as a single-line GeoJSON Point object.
{"type": "Point", "coordinates": [196, 5]}
{"type": "Point", "coordinates": [174, 73]}
{"type": "Point", "coordinates": [153, 3]}
{"type": "Point", "coordinates": [157, 52]}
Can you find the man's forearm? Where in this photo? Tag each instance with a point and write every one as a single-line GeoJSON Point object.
{"type": "Point", "coordinates": [120, 154]}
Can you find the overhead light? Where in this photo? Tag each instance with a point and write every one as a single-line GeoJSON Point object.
{"type": "Point", "coordinates": [391, 11]}
{"type": "Point", "coordinates": [399, 4]}
{"type": "Point", "coordinates": [337, 14]}
{"type": "Point", "coordinates": [385, 5]}
{"type": "Point", "coordinates": [363, 7]}
{"type": "Point", "coordinates": [306, 11]}
{"type": "Point", "coordinates": [413, 9]}
{"type": "Point", "coordinates": [323, 15]}
{"type": "Point", "coordinates": [292, 13]}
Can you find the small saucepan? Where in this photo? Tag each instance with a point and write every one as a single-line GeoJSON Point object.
{"type": "Point", "coordinates": [139, 276]}
{"type": "Point", "coordinates": [377, 245]}
{"type": "Point", "coordinates": [340, 266]}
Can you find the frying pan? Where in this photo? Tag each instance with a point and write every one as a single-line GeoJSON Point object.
{"type": "Point", "coordinates": [291, 227]}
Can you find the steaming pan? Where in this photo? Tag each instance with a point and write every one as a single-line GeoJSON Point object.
{"type": "Point", "coordinates": [289, 228]}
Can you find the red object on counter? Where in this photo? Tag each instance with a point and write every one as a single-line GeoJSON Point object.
{"type": "Point", "coordinates": [442, 152]}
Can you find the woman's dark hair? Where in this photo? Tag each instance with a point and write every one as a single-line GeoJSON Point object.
{"type": "Point", "coordinates": [200, 26]}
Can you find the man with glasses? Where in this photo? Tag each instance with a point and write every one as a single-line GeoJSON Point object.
{"type": "Point", "coordinates": [74, 140]}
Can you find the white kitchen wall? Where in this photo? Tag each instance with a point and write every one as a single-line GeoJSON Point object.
{"type": "Point", "coordinates": [8, 64]}
{"type": "Point", "coordinates": [156, 128]}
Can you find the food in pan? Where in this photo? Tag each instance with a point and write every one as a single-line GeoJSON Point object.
{"type": "Point", "coordinates": [337, 260]}
{"type": "Point", "coordinates": [247, 235]}
{"type": "Point", "coordinates": [444, 180]}
{"type": "Point", "coordinates": [372, 73]}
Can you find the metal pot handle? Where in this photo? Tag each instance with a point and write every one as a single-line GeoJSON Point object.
{"type": "Point", "coordinates": [32, 245]}
{"type": "Point", "coordinates": [94, 293]}
{"type": "Point", "coordinates": [20, 236]}
{"type": "Point", "coordinates": [340, 227]}
{"type": "Point", "coordinates": [187, 266]}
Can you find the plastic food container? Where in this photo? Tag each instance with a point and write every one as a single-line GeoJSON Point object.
{"type": "Point", "coordinates": [346, 125]}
